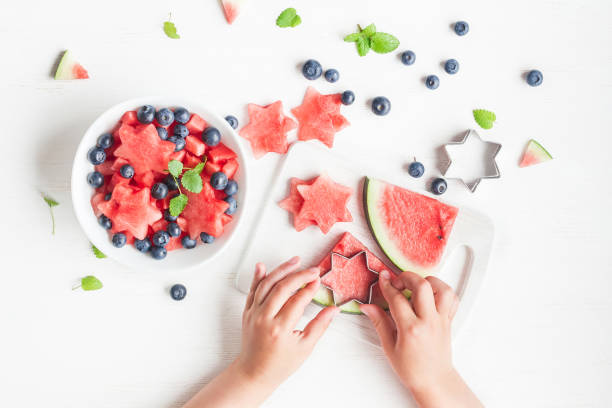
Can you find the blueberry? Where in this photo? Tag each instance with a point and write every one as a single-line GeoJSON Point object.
{"type": "Point", "coordinates": [105, 222]}
{"type": "Point", "coordinates": [462, 28]}
{"type": "Point", "coordinates": [416, 169]}
{"type": "Point", "coordinates": [126, 171]}
{"type": "Point", "coordinates": [233, 205]}
{"type": "Point", "coordinates": [218, 180]}
{"type": "Point", "coordinates": [312, 69]}
{"type": "Point", "coordinates": [173, 229]}
{"type": "Point", "coordinates": [179, 142]}
{"type": "Point", "coordinates": [451, 66]}
{"type": "Point", "coordinates": [178, 292]}
{"type": "Point", "coordinates": [207, 238]}
{"type": "Point", "coordinates": [181, 130]}
{"type": "Point", "coordinates": [145, 114]}
{"type": "Point", "coordinates": [188, 243]}
{"type": "Point", "coordinates": [432, 82]}
{"type": "Point", "coordinates": [162, 132]}
{"type": "Point", "coordinates": [95, 179]}
{"type": "Point", "coordinates": [348, 97]}
{"type": "Point", "coordinates": [96, 155]}
{"type": "Point", "coordinates": [105, 140]}
{"type": "Point", "coordinates": [535, 78]}
{"type": "Point", "coordinates": [107, 196]}
{"type": "Point", "coordinates": [211, 136]}
{"type": "Point", "coordinates": [164, 117]}
{"type": "Point", "coordinates": [143, 245]}
{"type": "Point", "coordinates": [169, 217]}
{"type": "Point", "coordinates": [159, 191]}
{"type": "Point", "coordinates": [231, 188]}
{"type": "Point", "coordinates": [232, 120]}
{"type": "Point", "coordinates": [158, 253]}
{"type": "Point", "coordinates": [181, 115]}
{"type": "Point", "coordinates": [161, 238]}
{"type": "Point", "coordinates": [408, 57]}
{"type": "Point", "coordinates": [381, 105]}
{"type": "Point", "coordinates": [119, 239]}
{"type": "Point", "coordinates": [438, 186]}
{"type": "Point", "coordinates": [332, 75]}
{"type": "Point", "coordinates": [170, 182]}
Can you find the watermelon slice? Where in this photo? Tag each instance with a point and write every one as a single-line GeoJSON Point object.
{"type": "Point", "coordinates": [319, 117]}
{"type": "Point", "coordinates": [410, 228]}
{"type": "Point", "coordinates": [232, 8]}
{"type": "Point", "coordinates": [204, 212]}
{"type": "Point", "coordinates": [267, 129]}
{"type": "Point", "coordinates": [534, 154]}
{"type": "Point", "coordinates": [143, 149]}
{"type": "Point", "coordinates": [68, 68]}
{"type": "Point", "coordinates": [294, 201]}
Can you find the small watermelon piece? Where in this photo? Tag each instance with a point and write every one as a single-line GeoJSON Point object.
{"type": "Point", "coordinates": [210, 168]}
{"type": "Point", "coordinates": [106, 168]}
{"type": "Point", "coordinates": [349, 278]}
{"type": "Point", "coordinates": [96, 199]}
{"type": "Point", "coordinates": [180, 155]}
{"type": "Point", "coordinates": [204, 212]}
{"type": "Point", "coordinates": [196, 124]}
{"type": "Point", "coordinates": [324, 202]}
{"type": "Point", "coordinates": [221, 153]}
{"type": "Point", "coordinates": [294, 201]}
{"type": "Point", "coordinates": [146, 179]}
{"type": "Point", "coordinates": [143, 149]}
{"type": "Point", "coordinates": [195, 146]}
{"type": "Point", "coordinates": [232, 8]}
{"type": "Point", "coordinates": [534, 154]}
{"type": "Point", "coordinates": [69, 68]}
{"type": "Point", "coordinates": [230, 168]}
{"type": "Point", "coordinates": [191, 161]}
{"type": "Point", "coordinates": [118, 163]}
{"type": "Point", "coordinates": [129, 118]}
{"type": "Point", "coordinates": [410, 228]}
{"type": "Point", "coordinates": [267, 129]}
{"type": "Point", "coordinates": [117, 179]}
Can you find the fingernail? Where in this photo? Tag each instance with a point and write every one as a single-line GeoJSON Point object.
{"type": "Point", "coordinates": [336, 311]}
{"type": "Point", "coordinates": [385, 275]}
{"type": "Point", "coordinates": [294, 260]}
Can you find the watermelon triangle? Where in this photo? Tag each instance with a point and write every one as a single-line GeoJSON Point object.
{"type": "Point", "coordinates": [69, 68]}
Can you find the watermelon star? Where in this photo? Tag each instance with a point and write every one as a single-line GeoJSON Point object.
{"type": "Point", "coordinates": [204, 212]}
{"type": "Point", "coordinates": [319, 117]}
{"type": "Point", "coordinates": [143, 149]}
{"type": "Point", "coordinates": [294, 201]}
{"type": "Point", "coordinates": [267, 129]}
{"type": "Point", "coordinates": [350, 278]}
{"type": "Point", "coordinates": [324, 203]}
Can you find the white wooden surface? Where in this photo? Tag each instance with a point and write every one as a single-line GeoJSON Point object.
{"type": "Point", "coordinates": [540, 332]}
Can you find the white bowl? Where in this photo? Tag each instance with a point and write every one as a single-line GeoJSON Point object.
{"type": "Point", "coordinates": [128, 255]}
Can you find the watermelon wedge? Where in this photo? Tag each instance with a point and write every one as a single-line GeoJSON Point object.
{"type": "Point", "coordinates": [267, 129]}
{"type": "Point", "coordinates": [68, 68]}
{"type": "Point", "coordinates": [232, 8]}
{"type": "Point", "coordinates": [410, 228]}
{"type": "Point", "coordinates": [324, 203]}
{"type": "Point", "coordinates": [534, 154]}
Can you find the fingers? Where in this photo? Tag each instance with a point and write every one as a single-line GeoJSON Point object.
{"type": "Point", "coordinates": [444, 296]}
{"type": "Point", "coordinates": [400, 308]}
{"type": "Point", "coordinates": [317, 326]}
{"type": "Point", "coordinates": [260, 272]}
{"type": "Point", "coordinates": [285, 288]}
{"type": "Point", "coordinates": [293, 309]}
{"type": "Point", "coordinates": [264, 287]}
{"type": "Point", "coordinates": [422, 294]}
{"type": "Point", "coordinates": [385, 328]}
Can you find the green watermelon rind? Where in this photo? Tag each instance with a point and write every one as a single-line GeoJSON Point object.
{"type": "Point", "coordinates": [324, 298]}
{"type": "Point", "coordinates": [539, 151]}
{"type": "Point", "coordinates": [61, 68]}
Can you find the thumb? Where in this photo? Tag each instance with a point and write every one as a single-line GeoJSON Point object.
{"type": "Point", "coordinates": [382, 322]}
{"type": "Point", "coordinates": [317, 326]}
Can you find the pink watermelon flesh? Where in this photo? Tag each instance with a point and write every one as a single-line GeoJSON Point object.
{"type": "Point", "coordinates": [204, 212]}
{"type": "Point", "coordinates": [267, 129]}
{"type": "Point", "coordinates": [294, 201]}
{"type": "Point", "coordinates": [535, 153]}
{"type": "Point", "coordinates": [68, 68]}
{"type": "Point", "coordinates": [232, 8]}
{"type": "Point", "coordinates": [349, 279]}
{"type": "Point", "coordinates": [143, 149]}
{"type": "Point", "coordinates": [349, 246]}
{"type": "Point", "coordinates": [324, 202]}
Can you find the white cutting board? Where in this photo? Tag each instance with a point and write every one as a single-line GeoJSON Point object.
{"type": "Point", "coordinates": [274, 240]}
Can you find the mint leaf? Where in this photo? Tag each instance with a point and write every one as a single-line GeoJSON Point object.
{"type": "Point", "coordinates": [354, 37]}
{"type": "Point", "coordinates": [288, 18]}
{"type": "Point", "coordinates": [51, 203]}
{"type": "Point", "coordinates": [175, 168]}
{"type": "Point", "coordinates": [484, 118]}
{"type": "Point", "coordinates": [383, 43]}
{"type": "Point", "coordinates": [198, 168]}
{"type": "Point", "coordinates": [170, 30]}
{"type": "Point", "coordinates": [91, 283]}
{"type": "Point", "coordinates": [296, 21]}
{"type": "Point", "coordinates": [369, 30]}
{"type": "Point", "coordinates": [99, 254]}
{"type": "Point", "coordinates": [363, 46]}
{"type": "Point", "coordinates": [192, 180]}
{"type": "Point", "coordinates": [178, 204]}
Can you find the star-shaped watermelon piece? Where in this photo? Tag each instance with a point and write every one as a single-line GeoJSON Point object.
{"type": "Point", "coordinates": [350, 278]}
{"type": "Point", "coordinates": [143, 149]}
{"type": "Point", "coordinates": [267, 129]}
{"type": "Point", "coordinates": [204, 212]}
{"type": "Point", "coordinates": [319, 117]}
{"type": "Point", "coordinates": [325, 202]}
{"type": "Point", "coordinates": [294, 201]}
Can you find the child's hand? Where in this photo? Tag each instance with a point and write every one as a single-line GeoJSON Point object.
{"type": "Point", "coordinates": [416, 338]}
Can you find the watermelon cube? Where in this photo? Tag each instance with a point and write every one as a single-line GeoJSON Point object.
{"type": "Point", "coordinates": [178, 155]}
{"type": "Point", "coordinates": [96, 199]}
{"type": "Point", "coordinates": [195, 145]}
{"type": "Point", "coordinates": [230, 168]}
{"type": "Point", "coordinates": [191, 161]}
{"type": "Point", "coordinates": [210, 168]}
{"type": "Point", "coordinates": [118, 163]}
{"type": "Point", "coordinates": [196, 125]}
{"type": "Point", "coordinates": [129, 118]}
{"type": "Point", "coordinates": [105, 168]}
{"type": "Point", "coordinates": [221, 153]}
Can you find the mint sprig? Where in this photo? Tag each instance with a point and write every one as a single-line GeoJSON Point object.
{"type": "Point", "coordinates": [51, 203]}
{"type": "Point", "coordinates": [88, 283]}
{"type": "Point", "coordinates": [484, 118]}
{"type": "Point", "coordinates": [170, 28]}
{"type": "Point", "coordinates": [288, 18]}
{"type": "Point", "coordinates": [368, 38]}
{"type": "Point", "coordinates": [98, 254]}
{"type": "Point", "coordinates": [191, 180]}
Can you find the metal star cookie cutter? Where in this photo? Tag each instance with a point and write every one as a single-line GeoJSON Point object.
{"type": "Point", "coordinates": [485, 168]}
{"type": "Point", "coordinates": [360, 253]}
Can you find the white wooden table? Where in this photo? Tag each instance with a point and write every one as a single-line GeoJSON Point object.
{"type": "Point", "coordinates": [540, 332]}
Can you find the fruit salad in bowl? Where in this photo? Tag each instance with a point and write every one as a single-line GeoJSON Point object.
{"type": "Point", "coordinates": [159, 183]}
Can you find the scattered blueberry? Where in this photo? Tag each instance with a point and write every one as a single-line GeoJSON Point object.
{"type": "Point", "coordinates": [126, 171]}
{"type": "Point", "coordinates": [119, 239]}
{"type": "Point", "coordinates": [432, 82]}
{"type": "Point", "coordinates": [159, 191]}
{"type": "Point", "coordinates": [178, 292]}
{"type": "Point", "coordinates": [438, 186]}
{"type": "Point", "coordinates": [145, 114]}
{"type": "Point", "coordinates": [105, 140]}
{"type": "Point", "coordinates": [207, 238]}
{"type": "Point", "coordinates": [416, 169]}
{"type": "Point", "coordinates": [188, 243]}
{"type": "Point", "coordinates": [105, 222]}
{"type": "Point", "coordinates": [408, 57]}
{"type": "Point", "coordinates": [96, 155]}
{"type": "Point", "coordinates": [160, 238]}
{"type": "Point", "coordinates": [312, 69]}
{"type": "Point", "coordinates": [451, 66]}
{"type": "Point", "coordinates": [107, 196]}
{"type": "Point", "coordinates": [233, 205]}
{"type": "Point", "coordinates": [332, 75]}
{"type": "Point", "coordinates": [462, 28]}
{"type": "Point", "coordinates": [169, 217]}
{"type": "Point", "coordinates": [170, 182]}
{"type": "Point", "coordinates": [231, 188]}
{"type": "Point", "coordinates": [164, 117]}
{"type": "Point", "coordinates": [143, 245]}
{"type": "Point", "coordinates": [181, 115]}
{"type": "Point", "coordinates": [218, 180]}
{"type": "Point", "coordinates": [211, 136]}
{"type": "Point", "coordinates": [381, 105]}
{"type": "Point", "coordinates": [232, 120]}
{"type": "Point", "coordinates": [173, 229]}
{"type": "Point", "coordinates": [348, 97]}
{"type": "Point", "coordinates": [181, 130]}
{"type": "Point", "coordinates": [535, 78]}
{"type": "Point", "coordinates": [179, 142]}
{"type": "Point", "coordinates": [158, 253]}
{"type": "Point", "coordinates": [95, 179]}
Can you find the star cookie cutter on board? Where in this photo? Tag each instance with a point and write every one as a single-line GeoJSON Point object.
{"type": "Point", "coordinates": [348, 258]}
{"type": "Point", "coordinates": [489, 169]}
